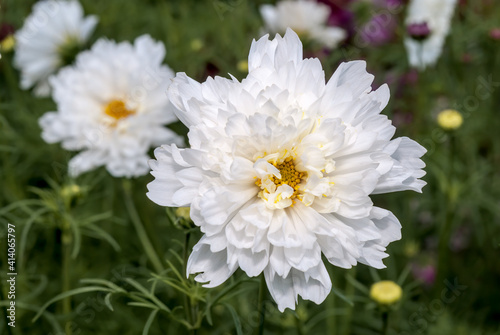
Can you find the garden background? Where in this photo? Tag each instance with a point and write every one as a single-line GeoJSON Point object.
{"type": "Point", "coordinates": [79, 233]}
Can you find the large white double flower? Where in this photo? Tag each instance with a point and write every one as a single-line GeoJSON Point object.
{"type": "Point", "coordinates": [281, 168]}
{"type": "Point", "coordinates": [112, 106]}
{"type": "Point", "coordinates": [50, 33]}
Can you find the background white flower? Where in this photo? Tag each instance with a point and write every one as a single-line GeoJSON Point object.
{"type": "Point", "coordinates": [112, 105]}
{"type": "Point", "coordinates": [280, 170]}
{"type": "Point", "coordinates": [437, 15]}
{"type": "Point", "coordinates": [307, 18]}
{"type": "Point", "coordinates": [53, 30]}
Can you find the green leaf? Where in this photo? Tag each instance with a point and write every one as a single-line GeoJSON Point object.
{"type": "Point", "coordinates": [101, 233]}
{"type": "Point", "coordinates": [342, 296]}
{"type": "Point", "coordinates": [357, 284]}
{"type": "Point", "coordinates": [149, 322]}
{"type": "Point", "coordinates": [142, 304]}
{"type": "Point", "coordinates": [104, 282]}
{"type": "Point", "coordinates": [236, 318]}
{"type": "Point", "coordinates": [69, 294]}
{"type": "Point", "coordinates": [76, 235]}
{"type": "Point", "coordinates": [404, 274]}
{"type": "Point", "coordinates": [221, 294]}
{"type": "Point", "coordinates": [24, 234]}
{"type": "Point", "coordinates": [107, 301]}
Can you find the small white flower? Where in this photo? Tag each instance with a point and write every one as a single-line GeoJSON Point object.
{"type": "Point", "coordinates": [54, 29]}
{"type": "Point", "coordinates": [112, 106]}
{"type": "Point", "coordinates": [306, 17]}
{"type": "Point", "coordinates": [436, 15]}
{"type": "Point", "coordinates": [281, 168]}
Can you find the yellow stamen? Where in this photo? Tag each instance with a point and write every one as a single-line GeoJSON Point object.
{"type": "Point", "coordinates": [117, 110]}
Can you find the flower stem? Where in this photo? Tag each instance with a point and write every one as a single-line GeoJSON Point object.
{"type": "Point", "coordinates": [187, 302]}
{"type": "Point", "coordinates": [141, 231]}
{"type": "Point", "coordinates": [261, 305]}
{"type": "Point", "coordinates": [346, 325]}
{"type": "Point", "coordinates": [66, 240]}
{"type": "Point", "coordinates": [446, 230]}
{"type": "Point", "coordinates": [385, 323]}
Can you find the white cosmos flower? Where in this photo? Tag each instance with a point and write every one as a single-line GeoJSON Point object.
{"type": "Point", "coordinates": [112, 106]}
{"type": "Point", "coordinates": [54, 29]}
{"type": "Point", "coordinates": [437, 15]}
{"type": "Point", "coordinates": [281, 168]}
{"type": "Point", "coordinates": [307, 17]}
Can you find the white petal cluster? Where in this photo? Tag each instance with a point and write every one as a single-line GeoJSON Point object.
{"type": "Point", "coordinates": [308, 18]}
{"type": "Point", "coordinates": [281, 168]}
{"type": "Point", "coordinates": [437, 14]}
{"type": "Point", "coordinates": [112, 106]}
{"type": "Point", "coordinates": [49, 28]}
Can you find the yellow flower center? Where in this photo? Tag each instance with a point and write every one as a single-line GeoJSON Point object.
{"type": "Point", "coordinates": [270, 185]}
{"type": "Point", "coordinates": [117, 110]}
{"type": "Point", "coordinates": [289, 175]}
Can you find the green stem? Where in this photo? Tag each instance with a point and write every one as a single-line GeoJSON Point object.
{"type": "Point", "coordinates": [141, 231]}
{"type": "Point", "coordinates": [261, 305]}
{"type": "Point", "coordinates": [331, 321]}
{"type": "Point", "coordinates": [187, 302]}
{"type": "Point", "coordinates": [385, 323]}
{"type": "Point", "coordinates": [298, 324]}
{"type": "Point", "coordinates": [66, 240]}
{"type": "Point", "coordinates": [446, 230]}
{"type": "Point", "coordinates": [349, 289]}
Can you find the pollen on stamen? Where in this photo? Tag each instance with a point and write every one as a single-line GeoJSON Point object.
{"type": "Point", "coordinates": [289, 176]}
{"type": "Point", "coordinates": [117, 110]}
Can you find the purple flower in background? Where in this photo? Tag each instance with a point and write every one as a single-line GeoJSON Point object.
{"type": "Point", "coordinates": [495, 33]}
{"type": "Point", "coordinates": [379, 30]}
{"type": "Point", "coordinates": [460, 239]}
{"type": "Point", "coordinates": [418, 31]}
{"type": "Point", "coordinates": [340, 16]}
{"type": "Point", "coordinates": [6, 30]}
{"type": "Point", "coordinates": [424, 273]}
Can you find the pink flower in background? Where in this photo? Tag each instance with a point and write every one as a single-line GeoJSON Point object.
{"type": "Point", "coordinates": [495, 33]}
{"type": "Point", "coordinates": [424, 273]}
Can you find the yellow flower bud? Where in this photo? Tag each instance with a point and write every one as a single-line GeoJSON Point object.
{"type": "Point", "coordinates": [450, 119]}
{"type": "Point", "coordinates": [71, 191]}
{"type": "Point", "coordinates": [386, 292]}
{"type": "Point", "coordinates": [242, 66]}
{"type": "Point", "coordinates": [196, 44]}
{"type": "Point", "coordinates": [183, 212]}
{"type": "Point", "coordinates": [8, 43]}
{"type": "Point", "coordinates": [411, 248]}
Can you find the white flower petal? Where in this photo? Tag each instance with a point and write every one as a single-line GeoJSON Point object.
{"type": "Point", "coordinates": [212, 265]}
{"type": "Point", "coordinates": [407, 167]}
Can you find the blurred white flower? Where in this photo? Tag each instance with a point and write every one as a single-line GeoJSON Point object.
{"type": "Point", "coordinates": [428, 23]}
{"type": "Point", "coordinates": [281, 168]}
{"type": "Point", "coordinates": [50, 36]}
{"type": "Point", "coordinates": [112, 105]}
{"type": "Point", "coordinates": [307, 18]}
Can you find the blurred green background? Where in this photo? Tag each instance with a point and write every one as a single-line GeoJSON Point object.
{"type": "Point", "coordinates": [447, 261]}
